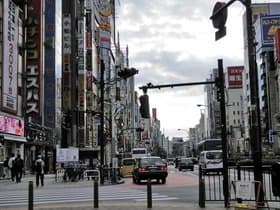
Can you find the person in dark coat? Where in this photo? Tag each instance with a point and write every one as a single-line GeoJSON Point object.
{"type": "Point", "coordinates": [39, 169]}
{"type": "Point", "coordinates": [18, 167]}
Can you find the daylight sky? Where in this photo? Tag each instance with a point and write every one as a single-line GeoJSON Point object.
{"type": "Point", "coordinates": [173, 41]}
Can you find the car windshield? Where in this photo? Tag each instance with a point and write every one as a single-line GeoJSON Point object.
{"type": "Point", "coordinates": [214, 155]}
{"type": "Point", "coordinates": [186, 160]}
{"type": "Point", "coordinates": [128, 162]}
{"type": "Point", "coordinates": [151, 161]}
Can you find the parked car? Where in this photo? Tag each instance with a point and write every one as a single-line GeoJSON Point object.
{"type": "Point", "coordinates": [151, 167]}
{"type": "Point", "coordinates": [186, 163]}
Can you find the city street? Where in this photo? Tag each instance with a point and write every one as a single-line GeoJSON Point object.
{"type": "Point", "coordinates": [181, 187]}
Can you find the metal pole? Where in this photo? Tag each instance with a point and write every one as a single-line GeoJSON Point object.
{"type": "Point", "coordinates": [255, 122]}
{"type": "Point", "coordinates": [101, 140]}
{"type": "Point", "coordinates": [224, 131]}
{"type": "Point", "coordinates": [30, 195]}
{"type": "Point", "coordinates": [149, 194]}
{"type": "Point", "coordinates": [95, 194]}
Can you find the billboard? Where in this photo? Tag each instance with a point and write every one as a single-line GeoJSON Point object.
{"type": "Point", "coordinates": [49, 78]}
{"type": "Point", "coordinates": [10, 125]}
{"type": "Point", "coordinates": [269, 25]}
{"type": "Point", "coordinates": [235, 76]}
{"type": "Point", "coordinates": [34, 60]}
{"type": "Point", "coordinates": [67, 155]}
{"type": "Point", "coordinates": [10, 56]}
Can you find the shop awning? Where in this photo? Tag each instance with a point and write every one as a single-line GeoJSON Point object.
{"type": "Point", "coordinates": [14, 138]}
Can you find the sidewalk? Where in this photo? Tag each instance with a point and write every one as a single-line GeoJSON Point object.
{"type": "Point", "coordinates": [127, 206]}
{"type": "Point", "coordinates": [49, 182]}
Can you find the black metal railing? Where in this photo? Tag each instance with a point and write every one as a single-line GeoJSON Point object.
{"type": "Point", "coordinates": [211, 183]}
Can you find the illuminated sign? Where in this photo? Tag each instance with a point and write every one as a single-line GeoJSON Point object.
{"type": "Point", "coordinates": [11, 125]}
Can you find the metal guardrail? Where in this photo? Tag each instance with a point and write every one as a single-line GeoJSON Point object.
{"type": "Point", "coordinates": [211, 183]}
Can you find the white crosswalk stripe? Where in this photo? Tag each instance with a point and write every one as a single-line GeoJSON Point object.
{"type": "Point", "coordinates": [46, 195]}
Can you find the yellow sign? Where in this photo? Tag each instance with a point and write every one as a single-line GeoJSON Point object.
{"type": "Point", "coordinates": [105, 8]}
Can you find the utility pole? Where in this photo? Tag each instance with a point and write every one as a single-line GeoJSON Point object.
{"type": "Point", "coordinates": [101, 130]}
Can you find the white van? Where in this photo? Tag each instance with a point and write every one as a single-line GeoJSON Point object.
{"type": "Point", "coordinates": [211, 159]}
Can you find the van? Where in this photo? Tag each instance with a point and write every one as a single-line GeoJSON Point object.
{"type": "Point", "coordinates": [211, 160]}
{"type": "Point", "coordinates": [126, 167]}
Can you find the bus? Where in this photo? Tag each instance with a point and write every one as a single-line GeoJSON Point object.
{"type": "Point", "coordinates": [209, 144]}
{"type": "Point", "coordinates": [139, 152]}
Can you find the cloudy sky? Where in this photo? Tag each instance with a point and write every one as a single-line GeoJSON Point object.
{"type": "Point", "coordinates": [173, 41]}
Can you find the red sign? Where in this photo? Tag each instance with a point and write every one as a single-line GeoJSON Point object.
{"type": "Point", "coordinates": [235, 76]}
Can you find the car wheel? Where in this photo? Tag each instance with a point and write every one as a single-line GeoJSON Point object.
{"type": "Point", "coordinates": [163, 181]}
{"type": "Point", "coordinates": [180, 169]}
{"type": "Point", "coordinates": [192, 169]}
{"type": "Point", "coordinates": [133, 180]}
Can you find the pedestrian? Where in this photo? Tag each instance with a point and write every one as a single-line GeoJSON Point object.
{"type": "Point", "coordinates": [39, 169]}
{"type": "Point", "coordinates": [11, 166]}
{"type": "Point", "coordinates": [18, 166]}
{"type": "Point", "coordinates": [6, 168]}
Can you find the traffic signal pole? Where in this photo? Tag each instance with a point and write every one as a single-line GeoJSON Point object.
{"type": "Point", "coordinates": [218, 17]}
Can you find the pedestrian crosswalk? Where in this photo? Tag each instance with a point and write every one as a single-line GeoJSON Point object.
{"type": "Point", "coordinates": [84, 194]}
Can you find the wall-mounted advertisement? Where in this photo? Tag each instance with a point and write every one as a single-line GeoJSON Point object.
{"type": "Point", "coordinates": [269, 25]}
{"type": "Point", "coordinates": [10, 56]}
{"type": "Point", "coordinates": [10, 125]}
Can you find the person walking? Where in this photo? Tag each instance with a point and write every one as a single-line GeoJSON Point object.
{"type": "Point", "coordinates": [39, 168]}
{"type": "Point", "coordinates": [6, 168]}
{"type": "Point", "coordinates": [11, 166]}
{"type": "Point", "coordinates": [18, 166]}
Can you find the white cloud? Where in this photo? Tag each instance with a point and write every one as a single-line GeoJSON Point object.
{"type": "Point", "coordinates": [173, 42]}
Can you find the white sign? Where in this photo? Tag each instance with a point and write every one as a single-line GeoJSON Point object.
{"type": "Point", "coordinates": [10, 56]}
{"type": "Point", "coordinates": [243, 189]}
{"type": "Point", "coordinates": [67, 155]}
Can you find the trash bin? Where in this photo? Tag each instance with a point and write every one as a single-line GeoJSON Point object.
{"type": "Point", "coordinates": [275, 174]}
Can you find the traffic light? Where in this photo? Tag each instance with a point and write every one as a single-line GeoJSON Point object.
{"type": "Point", "coordinates": [144, 106]}
{"type": "Point", "coordinates": [127, 72]}
{"type": "Point", "coordinates": [219, 18]}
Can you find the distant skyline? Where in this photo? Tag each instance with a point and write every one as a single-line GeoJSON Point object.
{"type": "Point", "coordinates": [174, 42]}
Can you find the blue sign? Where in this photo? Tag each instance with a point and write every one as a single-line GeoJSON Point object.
{"type": "Point", "coordinates": [269, 24]}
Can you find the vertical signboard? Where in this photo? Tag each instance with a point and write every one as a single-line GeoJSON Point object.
{"type": "Point", "coordinates": [33, 60]}
{"type": "Point", "coordinates": [10, 56]}
{"type": "Point", "coordinates": [49, 78]}
{"type": "Point", "coordinates": [66, 61]}
{"type": "Point", "coordinates": [105, 10]}
{"type": "Point", "coordinates": [235, 76]}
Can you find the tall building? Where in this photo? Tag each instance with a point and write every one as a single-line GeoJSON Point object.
{"type": "Point", "coordinates": [264, 30]}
